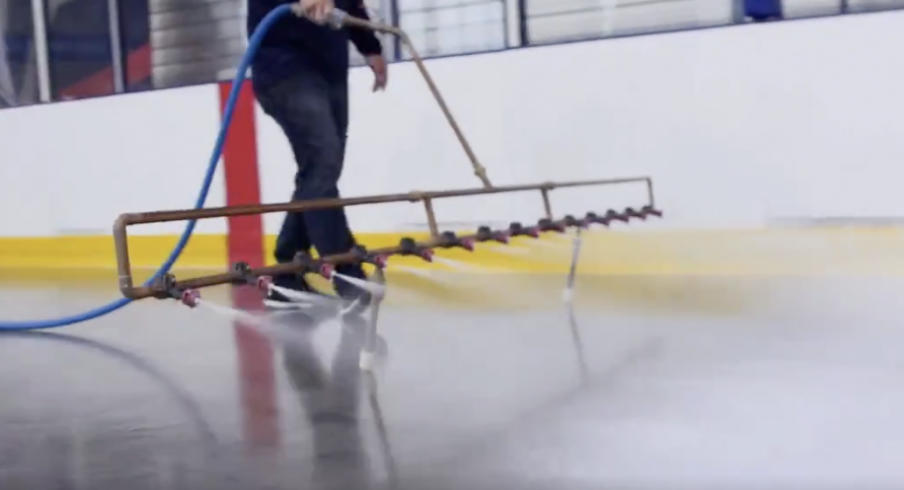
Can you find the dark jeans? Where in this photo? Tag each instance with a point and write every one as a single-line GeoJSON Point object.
{"type": "Point", "coordinates": [314, 116]}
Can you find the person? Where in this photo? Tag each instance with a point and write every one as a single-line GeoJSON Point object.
{"type": "Point", "coordinates": [300, 79]}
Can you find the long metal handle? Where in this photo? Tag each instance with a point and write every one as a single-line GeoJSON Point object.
{"type": "Point", "coordinates": [339, 18]}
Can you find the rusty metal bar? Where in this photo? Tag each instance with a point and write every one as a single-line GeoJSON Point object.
{"type": "Point", "coordinates": [120, 235]}
{"type": "Point", "coordinates": [547, 205]}
{"type": "Point", "coordinates": [431, 217]}
{"type": "Point", "coordinates": [479, 170]}
{"type": "Point", "coordinates": [650, 199]}
{"type": "Point", "coordinates": [232, 277]}
{"type": "Point", "coordinates": [300, 206]}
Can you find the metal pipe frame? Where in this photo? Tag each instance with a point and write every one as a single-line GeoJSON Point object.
{"type": "Point", "coordinates": [167, 285]}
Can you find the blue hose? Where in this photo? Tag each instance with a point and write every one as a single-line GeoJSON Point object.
{"type": "Point", "coordinates": [253, 45]}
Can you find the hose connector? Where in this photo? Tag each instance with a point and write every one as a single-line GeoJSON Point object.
{"type": "Point", "coordinates": [517, 229]}
{"type": "Point", "coordinates": [448, 239]}
{"type": "Point", "coordinates": [245, 276]}
{"type": "Point", "coordinates": [408, 246]}
{"type": "Point", "coordinates": [309, 265]}
{"type": "Point", "coordinates": [335, 18]}
{"type": "Point", "coordinates": [487, 234]}
{"type": "Point", "coordinates": [651, 211]}
{"type": "Point", "coordinates": [481, 172]}
{"type": "Point", "coordinates": [365, 257]}
{"type": "Point", "coordinates": [572, 222]}
{"type": "Point", "coordinates": [547, 224]}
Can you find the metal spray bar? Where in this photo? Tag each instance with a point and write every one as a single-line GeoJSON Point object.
{"type": "Point", "coordinates": [168, 286]}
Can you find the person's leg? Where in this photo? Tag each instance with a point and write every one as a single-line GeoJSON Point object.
{"type": "Point", "coordinates": [339, 107]}
{"type": "Point", "coordinates": [293, 235]}
{"type": "Point", "coordinates": [304, 109]}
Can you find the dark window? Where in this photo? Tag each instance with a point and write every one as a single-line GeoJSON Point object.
{"type": "Point", "coordinates": [80, 53]}
{"type": "Point", "coordinates": [134, 24]}
{"type": "Point", "coordinates": [18, 65]}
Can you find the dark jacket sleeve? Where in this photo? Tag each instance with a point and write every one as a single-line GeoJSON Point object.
{"type": "Point", "coordinates": [364, 40]}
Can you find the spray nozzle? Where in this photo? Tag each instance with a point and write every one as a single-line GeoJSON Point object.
{"type": "Point", "coordinates": [448, 239]}
{"type": "Point", "coordinates": [613, 215]}
{"type": "Point", "coordinates": [244, 276]}
{"type": "Point", "coordinates": [165, 287]}
{"type": "Point", "coordinates": [190, 298]}
{"type": "Point", "coordinates": [572, 222]}
{"type": "Point", "coordinates": [363, 256]}
{"type": "Point", "coordinates": [309, 265]}
{"type": "Point", "coordinates": [408, 246]}
{"type": "Point", "coordinates": [485, 234]}
{"type": "Point", "coordinates": [547, 224]}
{"type": "Point", "coordinates": [380, 261]}
{"type": "Point", "coordinates": [517, 229]}
{"type": "Point", "coordinates": [651, 211]}
{"type": "Point", "coordinates": [592, 217]}
{"type": "Point", "coordinates": [633, 213]}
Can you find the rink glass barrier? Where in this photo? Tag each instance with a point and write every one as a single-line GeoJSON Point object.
{"type": "Point", "coordinates": [54, 50]}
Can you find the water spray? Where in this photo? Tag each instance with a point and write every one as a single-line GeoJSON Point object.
{"type": "Point", "coordinates": [187, 291]}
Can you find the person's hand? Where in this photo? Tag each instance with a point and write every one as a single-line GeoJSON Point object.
{"type": "Point", "coordinates": [317, 11]}
{"type": "Point", "coordinates": [381, 71]}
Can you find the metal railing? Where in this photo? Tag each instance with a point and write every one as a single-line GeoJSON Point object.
{"type": "Point", "coordinates": [59, 49]}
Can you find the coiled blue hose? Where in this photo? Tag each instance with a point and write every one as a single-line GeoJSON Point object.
{"type": "Point", "coordinates": [253, 45]}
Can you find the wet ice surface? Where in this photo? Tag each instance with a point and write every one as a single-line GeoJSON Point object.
{"type": "Point", "coordinates": [800, 389]}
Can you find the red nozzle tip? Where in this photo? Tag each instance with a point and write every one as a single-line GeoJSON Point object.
{"type": "Point", "coordinates": [264, 282]}
{"type": "Point", "coordinates": [326, 270]}
{"type": "Point", "coordinates": [533, 232]}
{"type": "Point", "coordinates": [381, 260]}
{"type": "Point", "coordinates": [191, 298]}
{"type": "Point", "coordinates": [467, 244]}
{"type": "Point", "coordinates": [427, 255]}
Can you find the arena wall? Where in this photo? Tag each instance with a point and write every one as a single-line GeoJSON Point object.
{"type": "Point", "coordinates": [749, 133]}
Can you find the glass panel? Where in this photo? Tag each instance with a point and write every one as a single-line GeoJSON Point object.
{"type": "Point", "coordinates": [445, 27]}
{"type": "Point", "coordinates": [551, 21]}
{"type": "Point", "coordinates": [135, 29]}
{"type": "Point", "coordinates": [18, 66]}
{"type": "Point", "coordinates": [81, 58]}
{"type": "Point", "coordinates": [375, 9]}
{"type": "Point", "coordinates": [195, 41]}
